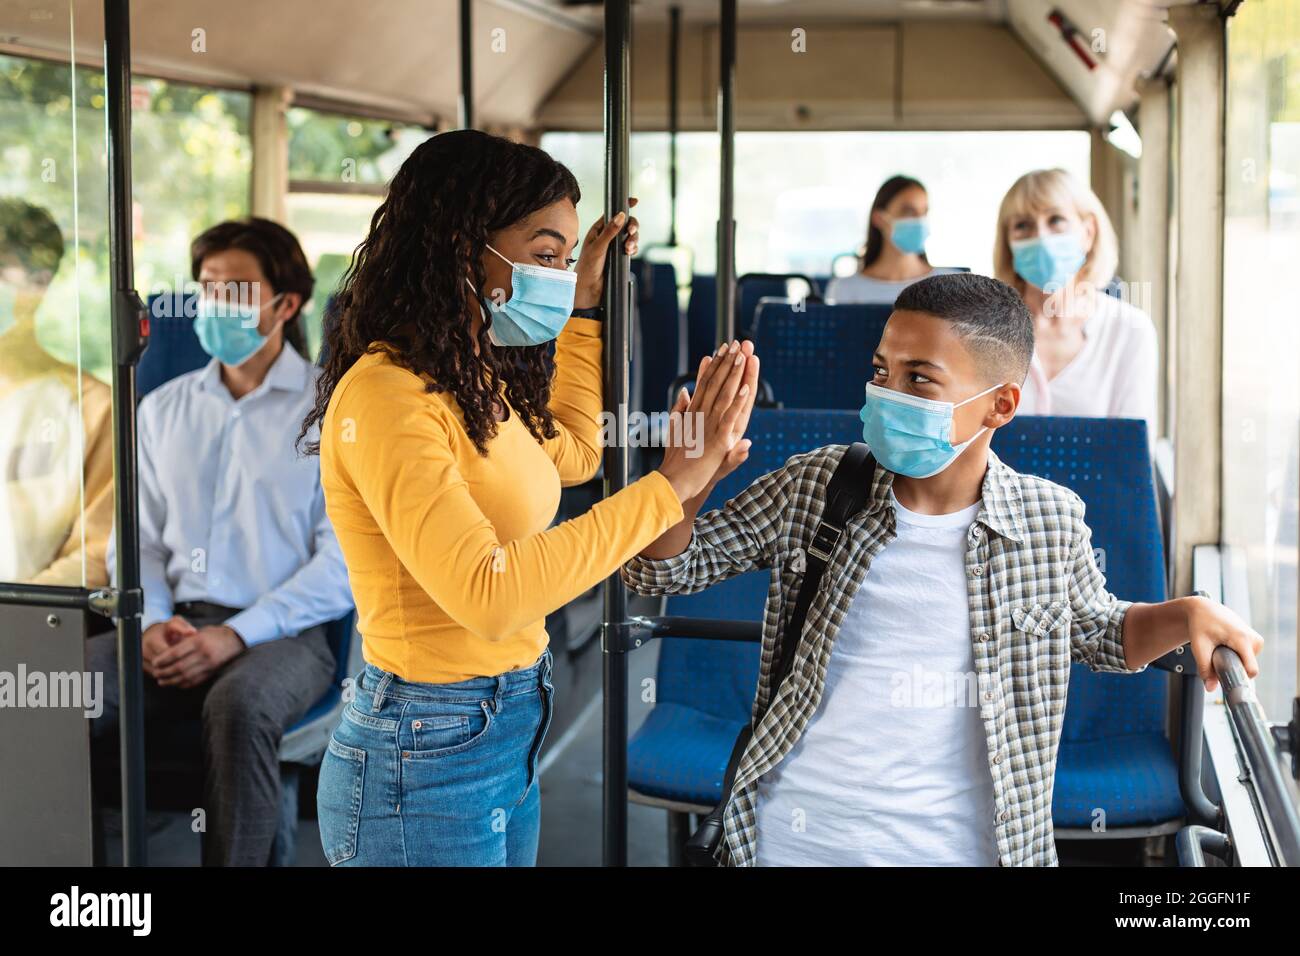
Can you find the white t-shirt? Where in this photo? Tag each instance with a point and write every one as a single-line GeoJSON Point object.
{"type": "Point", "coordinates": [893, 767]}
{"type": "Point", "coordinates": [1115, 374]}
{"type": "Point", "coordinates": [859, 288]}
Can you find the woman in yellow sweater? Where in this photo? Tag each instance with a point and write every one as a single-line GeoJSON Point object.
{"type": "Point", "coordinates": [448, 425]}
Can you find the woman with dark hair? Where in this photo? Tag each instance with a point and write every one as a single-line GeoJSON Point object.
{"type": "Point", "coordinates": [894, 256]}
{"type": "Point", "coordinates": [448, 424]}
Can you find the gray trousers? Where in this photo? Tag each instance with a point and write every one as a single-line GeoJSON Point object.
{"type": "Point", "coordinates": [244, 711]}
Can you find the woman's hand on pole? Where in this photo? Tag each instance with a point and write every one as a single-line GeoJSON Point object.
{"type": "Point", "coordinates": [591, 258]}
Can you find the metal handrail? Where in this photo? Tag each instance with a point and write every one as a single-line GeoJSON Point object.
{"type": "Point", "coordinates": [704, 628]}
{"type": "Point", "coordinates": [1200, 808]}
{"type": "Point", "coordinates": [1256, 741]}
{"type": "Point", "coordinates": [1194, 842]}
{"type": "Point", "coordinates": [108, 602]}
{"type": "Point", "coordinates": [46, 596]}
{"type": "Point", "coordinates": [618, 308]}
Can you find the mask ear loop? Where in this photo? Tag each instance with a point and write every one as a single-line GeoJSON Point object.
{"type": "Point", "coordinates": [271, 304]}
{"type": "Point", "coordinates": [492, 307]}
{"type": "Point", "coordinates": [991, 388]}
{"type": "Point", "coordinates": [483, 310]}
{"type": "Point", "coordinates": [967, 443]}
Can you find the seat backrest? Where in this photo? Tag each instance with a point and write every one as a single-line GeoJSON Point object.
{"type": "Point", "coordinates": [752, 287]}
{"type": "Point", "coordinates": [701, 321]}
{"type": "Point", "coordinates": [659, 332]}
{"type": "Point", "coordinates": [718, 677]}
{"type": "Point", "coordinates": [1107, 463]}
{"type": "Point", "coordinates": [816, 355]}
{"type": "Point", "coordinates": [173, 347]}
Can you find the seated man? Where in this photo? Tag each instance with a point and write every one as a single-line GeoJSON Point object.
{"type": "Point", "coordinates": [920, 721]}
{"type": "Point", "coordinates": [239, 563]}
{"type": "Point", "coordinates": [56, 431]}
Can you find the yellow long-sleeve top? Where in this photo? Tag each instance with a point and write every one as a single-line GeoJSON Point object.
{"type": "Point", "coordinates": [450, 555]}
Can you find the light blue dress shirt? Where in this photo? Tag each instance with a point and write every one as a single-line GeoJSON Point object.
{"type": "Point", "coordinates": [229, 511]}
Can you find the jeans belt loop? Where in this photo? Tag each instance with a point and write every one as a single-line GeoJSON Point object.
{"type": "Point", "coordinates": [380, 689]}
{"type": "Point", "coordinates": [500, 692]}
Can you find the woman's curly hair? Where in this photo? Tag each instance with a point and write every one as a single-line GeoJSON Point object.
{"type": "Point", "coordinates": [406, 284]}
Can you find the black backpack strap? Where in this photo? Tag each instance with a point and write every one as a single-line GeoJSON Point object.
{"type": "Point", "coordinates": [846, 494]}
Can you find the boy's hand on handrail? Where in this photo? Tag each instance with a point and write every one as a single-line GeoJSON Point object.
{"type": "Point", "coordinates": [1210, 624]}
{"type": "Point", "coordinates": [1153, 630]}
{"type": "Point", "coordinates": [705, 433]}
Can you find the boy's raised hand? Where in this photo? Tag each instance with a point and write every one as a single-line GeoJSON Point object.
{"type": "Point", "coordinates": [1209, 625]}
{"type": "Point", "coordinates": [705, 431]}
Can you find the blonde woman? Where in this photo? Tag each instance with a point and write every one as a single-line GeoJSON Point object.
{"type": "Point", "coordinates": [1094, 355]}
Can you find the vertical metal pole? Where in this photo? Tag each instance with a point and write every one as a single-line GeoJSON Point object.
{"type": "Point", "coordinates": [727, 199]}
{"type": "Point", "coordinates": [618, 310]}
{"type": "Point", "coordinates": [466, 65]}
{"type": "Point", "coordinates": [674, 48]}
{"type": "Point", "coordinates": [129, 336]}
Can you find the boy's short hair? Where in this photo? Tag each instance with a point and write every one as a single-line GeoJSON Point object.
{"type": "Point", "coordinates": [989, 316]}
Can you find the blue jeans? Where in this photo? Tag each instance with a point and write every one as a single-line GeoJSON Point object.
{"type": "Point", "coordinates": [436, 774]}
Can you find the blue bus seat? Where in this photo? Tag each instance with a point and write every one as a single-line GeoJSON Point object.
{"type": "Point", "coordinates": [173, 347]}
{"type": "Point", "coordinates": [753, 287]}
{"type": "Point", "coordinates": [659, 332]}
{"type": "Point", "coordinates": [1114, 754]}
{"type": "Point", "coordinates": [820, 357]}
{"type": "Point", "coordinates": [701, 324]}
{"type": "Point", "coordinates": [702, 309]}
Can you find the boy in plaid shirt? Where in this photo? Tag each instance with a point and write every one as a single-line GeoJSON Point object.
{"type": "Point", "coordinates": [920, 721]}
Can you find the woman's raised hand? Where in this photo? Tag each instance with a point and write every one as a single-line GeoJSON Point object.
{"type": "Point", "coordinates": [706, 432]}
{"type": "Point", "coordinates": [591, 257]}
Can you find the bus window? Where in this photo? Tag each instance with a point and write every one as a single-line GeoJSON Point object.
{"type": "Point", "coordinates": [56, 466]}
{"type": "Point", "coordinates": [338, 167]}
{"type": "Point", "coordinates": [1261, 382]}
{"type": "Point", "coordinates": [802, 198]}
{"type": "Point", "coordinates": [192, 159]}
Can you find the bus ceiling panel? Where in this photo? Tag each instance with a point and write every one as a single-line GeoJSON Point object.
{"type": "Point", "coordinates": [798, 12]}
{"type": "Point", "coordinates": [832, 75]}
{"type": "Point", "coordinates": [1098, 50]}
{"type": "Point", "coordinates": [398, 57]}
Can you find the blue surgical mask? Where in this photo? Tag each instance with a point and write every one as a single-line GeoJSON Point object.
{"type": "Point", "coordinates": [1049, 261]}
{"type": "Point", "coordinates": [540, 303]}
{"type": "Point", "coordinates": [910, 234]}
{"type": "Point", "coordinates": [228, 331]}
{"type": "Point", "coordinates": [909, 435]}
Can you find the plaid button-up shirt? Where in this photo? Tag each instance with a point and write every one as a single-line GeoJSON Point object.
{"type": "Point", "coordinates": [1037, 602]}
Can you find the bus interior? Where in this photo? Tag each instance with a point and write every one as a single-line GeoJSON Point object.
{"type": "Point", "coordinates": [754, 135]}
